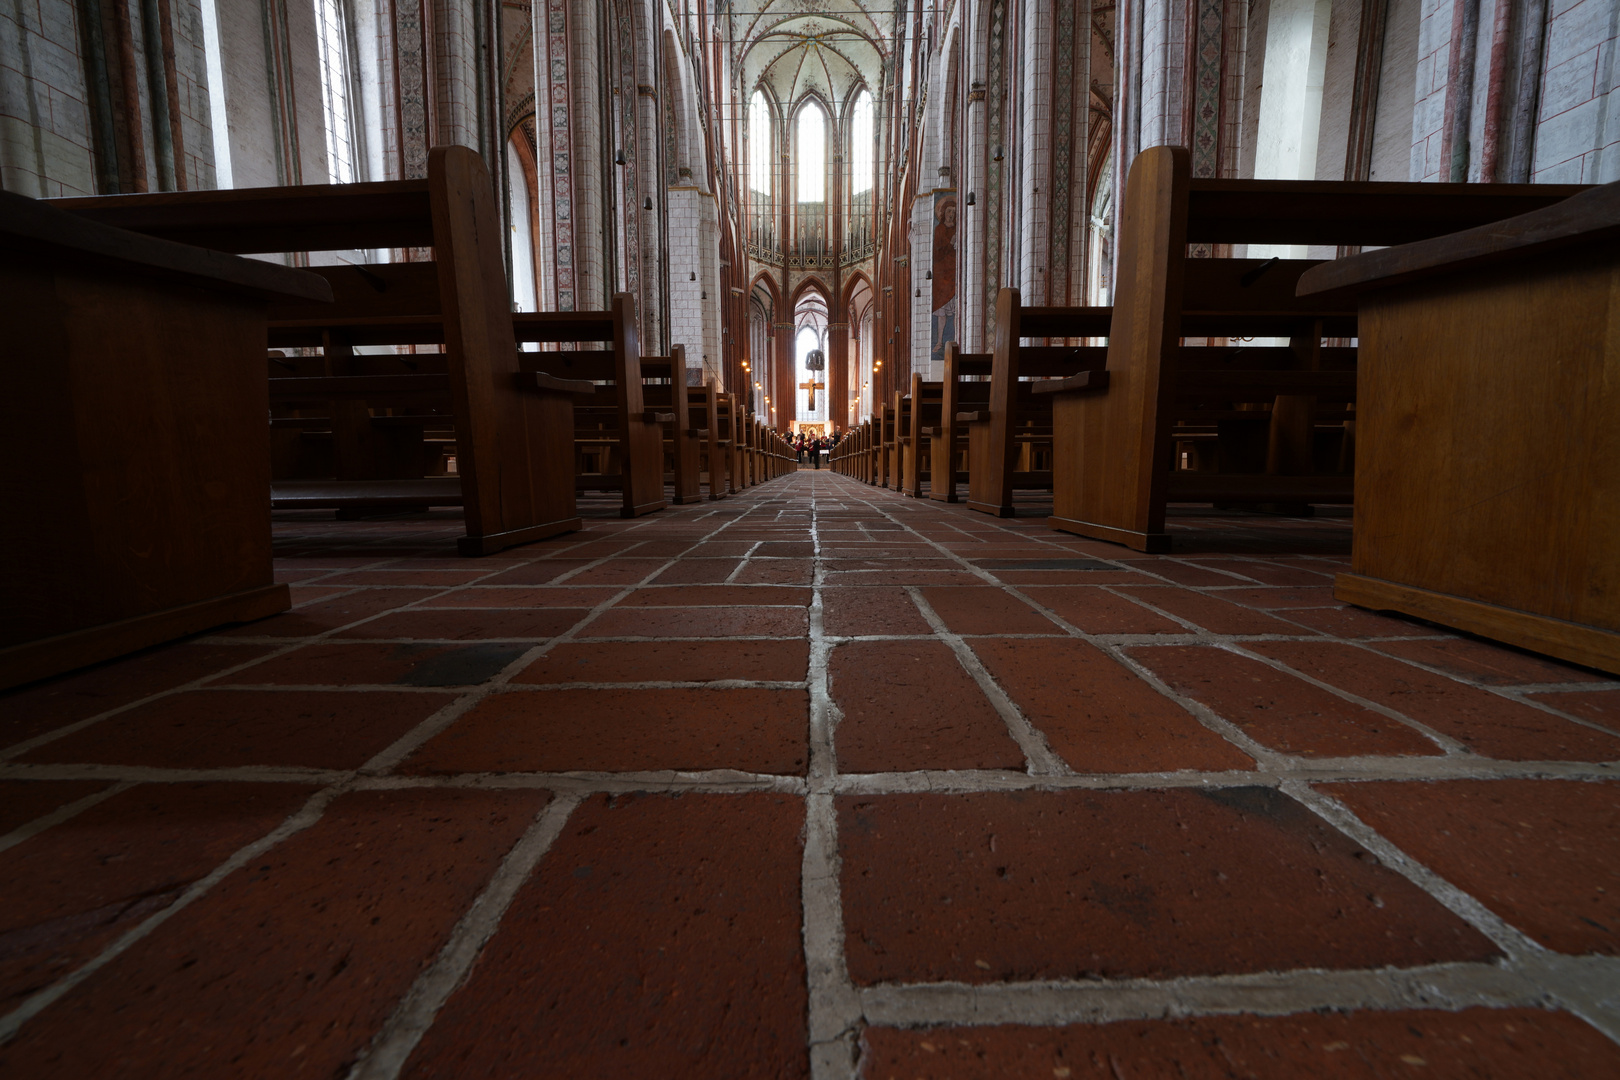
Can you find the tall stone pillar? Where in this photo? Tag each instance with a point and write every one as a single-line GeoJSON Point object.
{"type": "Point", "coordinates": [838, 371]}
{"type": "Point", "coordinates": [784, 374]}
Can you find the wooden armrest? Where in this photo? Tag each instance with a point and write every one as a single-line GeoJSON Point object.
{"type": "Point", "coordinates": [540, 380]}
{"type": "Point", "coordinates": [1084, 381]}
{"type": "Point", "coordinates": [972, 417]}
{"type": "Point", "coordinates": [697, 433]}
{"type": "Point", "coordinates": [653, 416]}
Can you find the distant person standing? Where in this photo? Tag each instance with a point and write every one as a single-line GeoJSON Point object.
{"type": "Point", "coordinates": [815, 451]}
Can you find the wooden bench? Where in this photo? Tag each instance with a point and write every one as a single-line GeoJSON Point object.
{"type": "Point", "coordinates": [514, 450]}
{"type": "Point", "coordinates": [138, 512]}
{"type": "Point", "coordinates": [964, 387]}
{"type": "Point", "coordinates": [611, 418]}
{"type": "Point", "coordinates": [1488, 434]}
{"type": "Point", "coordinates": [1010, 437]}
{"type": "Point", "coordinates": [1114, 462]}
{"type": "Point", "coordinates": [705, 407]}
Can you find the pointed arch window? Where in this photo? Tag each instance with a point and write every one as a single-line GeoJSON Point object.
{"type": "Point", "coordinates": [811, 154]}
{"type": "Point", "coordinates": [862, 144]}
{"type": "Point", "coordinates": [337, 90]}
{"type": "Point", "coordinates": [761, 161]}
{"type": "Point", "coordinates": [862, 157]}
{"type": "Point", "coordinates": [759, 147]}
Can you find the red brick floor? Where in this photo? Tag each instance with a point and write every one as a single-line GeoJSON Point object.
{"type": "Point", "coordinates": [813, 781]}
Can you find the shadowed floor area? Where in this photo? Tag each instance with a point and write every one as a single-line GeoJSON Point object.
{"type": "Point", "coordinates": [815, 780]}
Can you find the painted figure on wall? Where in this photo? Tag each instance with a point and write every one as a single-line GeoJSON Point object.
{"type": "Point", "coordinates": [944, 270]}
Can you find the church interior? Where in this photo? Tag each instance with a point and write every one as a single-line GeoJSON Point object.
{"type": "Point", "coordinates": [500, 488]}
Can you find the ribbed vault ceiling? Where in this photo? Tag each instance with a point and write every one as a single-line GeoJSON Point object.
{"type": "Point", "coordinates": [798, 47]}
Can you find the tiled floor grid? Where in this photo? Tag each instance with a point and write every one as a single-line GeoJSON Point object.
{"type": "Point", "coordinates": [813, 781]}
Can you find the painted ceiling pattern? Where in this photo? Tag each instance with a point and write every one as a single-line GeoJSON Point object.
{"type": "Point", "coordinates": [829, 48]}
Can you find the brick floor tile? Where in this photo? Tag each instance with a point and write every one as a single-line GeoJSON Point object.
{"type": "Point", "coordinates": [537, 573]}
{"type": "Point", "coordinates": [1097, 611]}
{"type": "Point", "coordinates": [487, 623]}
{"type": "Point", "coordinates": [621, 571]}
{"type": "Point", "coordinates": [697, 571]}
{"type": "Point", "coordinates": [291, 965]}
{"type": "Point", "coordinates": [1543, 854]}
{"type": "Point", "coordinates": [1098, 715]}
{"type": "Point", "coordinates": [1484, 662]}
{"type": "Point", "coordinates": [318, 729]}
{"type": "Point", "coordinates": [670, 661]}
{"type": "Point", "coordinates": [1155, 884]}
{"type": "Point", "coordinates": [902, 577]}
{"type": "Point", "coordinates": [984, 609]}
{"type": "Point", "coordinates": [625, 730]}
{"type": "Point", "coordinates": [717, 596]}
{"type": "Point", "coordinates": [1504, 1044]}
{"type": "Point", "coordinates": [1599, 706]}
{"type": "Point", "coordinates": [775, 572]}
{"type": "Point", "coordinates": [785, 549]}
{"type": "Point", "coordinates": [1277, 598]}
{"type": "Point", "coordinates": [1179, 572]}
{"type": "Point", "coordinates": [721, 549]}
{"type": "Point", "coordinates": [23, 801]}
{"type": "Point", "coordinates": [1214, 614]}
{"type": "Point", "coordinates": [433, 579]}
{"type": "Point", "coordinates": [699, 622]}
{"type": "Point", "coordinates": [308, 594]}
{"type": "Point", "coordinates": [1071, 577]}
{"type": "Point", "coordinates": [337, 664]}
{"type": "Point", "coordinates": [324, 615]}
{"type": "Point", "coordinates": [872, 610]}
{"type": "Point", "coordinates": [1349, 622]}
{"type": "Point", "coordinates": [68, 892]}
{"type": "Point", "coordinates": [1271, 574]}
{"type": "Point", "coordinates": [661, 549]}
{"type": "Point", "coordinates": [889, 565]}
{"type": "Point", "coordinates": [547, 596]}
{"type": "Point", "coordinates": [1279, 710]}
{"type": "Point", "coordinates": [660, 937]}
{"type": "Point", "coordinates": [893, 694]}
{"type": "Point", "coordinates": [1485, 722]}
{"type": "Point", "coordinates": [45, 706]}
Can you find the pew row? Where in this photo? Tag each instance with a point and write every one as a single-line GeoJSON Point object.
{"type": "Point", "coordinates": [1116, 464]}
{"type": "Point", "coordinates": [1487, 485]}
{"type": "Point", "coordinates": [135, 387]}
{"type": "Point", "coordinates": [514, 448]}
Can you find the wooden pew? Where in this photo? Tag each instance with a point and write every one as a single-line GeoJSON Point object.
{"type": "Point", "coordinates": [1488, 434]}
{"type": "Point", "coordinates": [665, 392]}
{"type": "Point", "coordinates": [1013, 430]}
{"type": "Point", "coordinates": [514, 450]}
{"type": "Point", "coordinates": [705, 405]}
{"type": "Point", "coordinates": [614, 412]}
{"type": "Point", "coordinates": [919, 416]}
{"type": "Point", "coordinates": [1113, 465]}
{"type": "Point", "coordinates": [964, 387]}
{"type": "Point", "coordinates": [135, 399]}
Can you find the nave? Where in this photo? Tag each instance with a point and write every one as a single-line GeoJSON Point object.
{"type": "Point", "coordinates": [815, 780]}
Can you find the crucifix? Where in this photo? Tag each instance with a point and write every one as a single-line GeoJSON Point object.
{"type": "Point", "coordinates": [811, 385]}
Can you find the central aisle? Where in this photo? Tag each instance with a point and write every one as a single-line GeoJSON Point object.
{"type": "Point", "coordinates": [813, 780]}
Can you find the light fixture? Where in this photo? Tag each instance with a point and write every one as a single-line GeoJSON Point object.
{"type": "Point", "coordinates": [693, 276]}
{"type": "Point", "coordinates": [618, 157]}
{"type": "Point", "coordinates": [970, 198]}
{"type": "Point", "coordinates": [928, 275]}
{"type": "Point", "coordinates": [648, 206]}
{"type": "Point", "coordinates": [704, 295]}
{"type": "Point", "coordinates": [919, 293]}
{"type": "Point", "coordinates": [997, 156]}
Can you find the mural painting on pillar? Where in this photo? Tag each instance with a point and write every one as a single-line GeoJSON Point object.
{"type": "Point", "coordinates": [943, 322]}
{"type": "Point", "coordinates": [1206, 109]}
